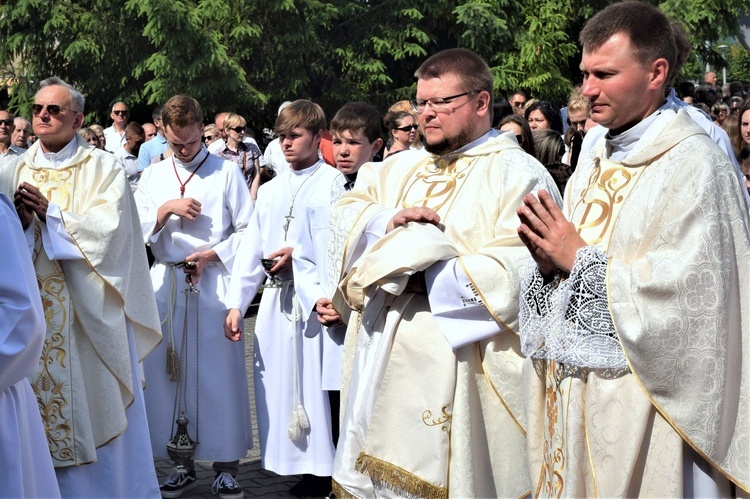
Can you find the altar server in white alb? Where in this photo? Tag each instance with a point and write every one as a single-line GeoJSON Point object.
{"type": "Point", "coordinates": [194, 207]}
{"type": "Point", "coordinates": [26, 469]}
{"type": "Point", "coordinates": [634, 314]}
{"type": "Point", "coordinates": [287, 362]}
{"type": "Point", "coordinates": [75, 204]}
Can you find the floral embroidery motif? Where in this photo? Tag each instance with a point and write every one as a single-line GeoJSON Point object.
{"type": "Point", "coordinates": [51, 389]}
{"type": "Point", "coordinates": [551, 481]}
{"type": "Point", "coordinates": [442, 421]}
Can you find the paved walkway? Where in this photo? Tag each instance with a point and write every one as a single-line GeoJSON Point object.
{"type": "Point", "coordinates": [255, 481]}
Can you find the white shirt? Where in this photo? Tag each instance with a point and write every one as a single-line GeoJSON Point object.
{"type": "Point", "coordinates": [115, 139]}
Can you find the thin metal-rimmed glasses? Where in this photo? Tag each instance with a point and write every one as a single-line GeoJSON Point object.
{"type": "Point", "coordinates": [437, 104]}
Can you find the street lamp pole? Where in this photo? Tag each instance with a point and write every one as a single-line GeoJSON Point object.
{"type": "Point", "coordinates": [723, 49]}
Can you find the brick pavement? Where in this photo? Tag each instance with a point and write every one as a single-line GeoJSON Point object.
{"type": "Point", "coordinates": [255, 481]}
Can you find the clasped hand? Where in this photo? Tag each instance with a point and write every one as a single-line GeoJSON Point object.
{"type": "Point", "coordinates": [29, 200]}
{"type": "Point", "coordinates": [550, 238]}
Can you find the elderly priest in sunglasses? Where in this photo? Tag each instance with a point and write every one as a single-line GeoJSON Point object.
{"type": "Point", "coordinates": [75, 205]}
{"type": "Point", "coordinates": [432, 268]}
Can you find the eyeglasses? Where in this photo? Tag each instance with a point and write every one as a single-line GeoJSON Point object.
{"type": "Point", "coordinates": [52, 109]}
{"type": "Point", "coordinates": [408, 128]}
{"type": "Point", "coordinates": [437, 104]}
{"type": "Point", "coordinates": [209, 137]}
{"type": "Point", "coordinates": [8, 122]}
{"type": "Point", "coordinates": [121, 113]}
{"type": "Point", "coordinates": [238, 129]}
{"type": "Point", "coordinates": [518, 104]}
{"type": "Point", "coordinates": [519, 139]}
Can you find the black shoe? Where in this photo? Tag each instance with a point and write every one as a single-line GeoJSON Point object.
{"type": "Point", "coordinates": [178, 482]}
{"type": "Point", "coordinates": [227, 487]}
{"type": "Point", "coordinates": [312, 486]}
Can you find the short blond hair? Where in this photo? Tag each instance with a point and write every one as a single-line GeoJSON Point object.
{"type": "Point", "coordinates": [578, 102]}
{"type": "Point", "coordinates": [233, 120]}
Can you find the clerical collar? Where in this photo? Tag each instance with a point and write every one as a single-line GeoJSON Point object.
{"type": "Point", "coordinates": [56, 159]}
{"type": "Point", "coordinates": [478, 142]}
{"type": "Point", "coordinates": [198, 159]}
{"type": "Point", "coordinates": [619, 146]}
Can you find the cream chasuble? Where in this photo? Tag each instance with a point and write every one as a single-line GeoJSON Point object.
{"type": "Point", "coordinates": [424, 419]}
{"type": "Point", "coordinates": [653, 398]}
{"type": "Point", "coordinates": [84, 382]}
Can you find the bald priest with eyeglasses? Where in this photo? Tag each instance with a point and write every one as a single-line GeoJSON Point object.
{"type": "Point", "coordinates": [431, 270]}
{"type": "Point", "coordinates": [77, 211]}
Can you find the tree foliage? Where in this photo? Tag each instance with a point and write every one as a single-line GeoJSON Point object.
{"type": "Point", "coordinates": [250, 56]}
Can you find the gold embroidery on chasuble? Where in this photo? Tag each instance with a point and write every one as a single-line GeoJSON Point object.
{"type": "Point", "coordinates": [436, 185]}
{"type": "Point", "coordinates": [600, 203]}
{"type": "Point", "coordinates": [551, 479]}
{"type": "Point", "coordinates": [56, 185]}
{"type": "Point", "coordinates": [443, 420]}
{"type": "Point", "coordinates": [52, 380]}
{"type": "Point", "coordinates": [594, 215]}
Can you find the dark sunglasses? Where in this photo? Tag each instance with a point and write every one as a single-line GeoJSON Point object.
{"type": "Point", "coordinates": [209, 137]}
{"type": "Point", "coordinates": [238, 129]}
{"type": "Point", "coordinates": [8, 122]}
{"type": "Point", "coordinates": [519, 139]}
{"type": "Point", "coordinates": [121, 113]}
{"type": "Point", "coordinates": [52, 109]}
{"type": "Point", "coordinates": [408, 128]}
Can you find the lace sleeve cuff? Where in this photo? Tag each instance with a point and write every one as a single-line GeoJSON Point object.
{"type": "Point", "coordinates": [568, 320]}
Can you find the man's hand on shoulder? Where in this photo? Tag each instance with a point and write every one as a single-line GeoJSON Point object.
{"type": "Point", "coordinates": [403, 217]}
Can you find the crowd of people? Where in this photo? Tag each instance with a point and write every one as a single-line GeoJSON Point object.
{"type": "Point", "coordinates": [501, 299]}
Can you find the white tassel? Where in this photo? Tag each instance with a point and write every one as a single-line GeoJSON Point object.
{"type": "Point", "coordinates": [298, 423]}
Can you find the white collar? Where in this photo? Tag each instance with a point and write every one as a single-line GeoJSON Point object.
{"type": "Point", "coordinates": [56, 159]}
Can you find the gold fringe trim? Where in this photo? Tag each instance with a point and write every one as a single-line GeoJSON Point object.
{"type": "Point", "coordinates": [173, 364]}
{"type": "Point", "coordinates": [340, 492]}
{"type": "Point", "coordinates": [399, 478]}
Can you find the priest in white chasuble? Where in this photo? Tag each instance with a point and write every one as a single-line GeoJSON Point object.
{"type": "Point", "coordinates": [431, 262]}
{"type": "Point", "coordinates": [634, 313]}
{"type": "Point", "coordinates": [76, 206]}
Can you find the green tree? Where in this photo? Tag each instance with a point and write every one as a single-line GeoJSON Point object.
{"type": "Point", "coordinates": [250, 56]}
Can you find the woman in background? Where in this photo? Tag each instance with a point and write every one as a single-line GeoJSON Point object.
{"type": "Point", "coordinates": [402, 128]}
{"type": "Point", "coordinates": [210, 134]}
{"type": "Point", "coordinates": [550, 148]}
{"type": "Point", "coordinates": [99, 131]}
{"type": "Point", "coordinates": [244, 154]}
{"type": "Point", "coordinates": [541, 114]}
{"type": "Point", "coordinates": [518, 125]}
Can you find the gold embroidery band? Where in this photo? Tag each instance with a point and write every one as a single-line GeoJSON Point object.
{"type": "Point", "coordinates": [399, 478]}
